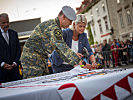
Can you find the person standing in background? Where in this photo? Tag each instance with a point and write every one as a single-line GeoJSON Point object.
{"type": "Point", "coordinates": [114, 49]}
{"type": "Point", "coordinates": [10, 51]}
{"type": "Point", "coordinates": [106, 53]}
{"type": "Point", "coordinates": [123, 48]}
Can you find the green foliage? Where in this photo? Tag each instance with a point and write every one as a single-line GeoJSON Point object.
{"type": "Point", "coordinates": [96, 42]}
{"type": "Point", "coordinates": [91, 39]}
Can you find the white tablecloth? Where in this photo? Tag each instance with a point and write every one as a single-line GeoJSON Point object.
{"type": "Point", "coordinates": [113, 85]}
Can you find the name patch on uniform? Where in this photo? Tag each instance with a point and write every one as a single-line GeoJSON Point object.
{"type": "Point", "coordinates": [58, 35]}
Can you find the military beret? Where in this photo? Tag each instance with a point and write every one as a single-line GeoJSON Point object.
{"type": "Point", "coordinates": [69, 12]}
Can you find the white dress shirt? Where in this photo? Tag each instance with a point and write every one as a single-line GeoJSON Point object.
{"type": "Point", "coordinates": [74, 48]}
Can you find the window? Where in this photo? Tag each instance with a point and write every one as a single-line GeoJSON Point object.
{"type": "Point", "coordinates": [103, 6]}
{"type": "Point", "coordinates": [94, 29]}
{"type": "Point", "coordinates": [106, 23]}
{"type": "Point", "coordinates": [128, 14]}
{"type": "Point", "coordinates": [97, 10]}
{"type": "Point", "coordinates": [82, 6]}
{"type": "Point", "coordinates": [121, 20]}
{"type": "Point", "coordinates": [91, 14]}
{"type": "Point", "coordinates": [118, 1]}
{"type": "Point", "coordinates": [100, 26]}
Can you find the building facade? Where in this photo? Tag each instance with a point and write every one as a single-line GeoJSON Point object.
{"type": "Point", "coordinates": [24, 28]}
{"type": "Point", "coordinates": [124, 11]}
{"type": "Point", "coordinates": [98, 19]}
{"type": "Point", "coordinates": [109, 19]}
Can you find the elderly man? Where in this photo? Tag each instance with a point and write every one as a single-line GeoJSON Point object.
{"type": "Point", "coordinates": [46, 37]}
{"type": "Point", "coordinates": [10, 51]}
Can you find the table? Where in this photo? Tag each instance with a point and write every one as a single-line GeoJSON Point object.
{"type": "Point", "coordinates": [77, 84]}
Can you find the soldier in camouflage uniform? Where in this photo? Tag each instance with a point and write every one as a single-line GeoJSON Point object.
{"type": "Point", "coordinates": [45, 38]}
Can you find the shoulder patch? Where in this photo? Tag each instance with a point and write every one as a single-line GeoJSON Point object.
{"type": "Point", "coordinates": [58, 35]}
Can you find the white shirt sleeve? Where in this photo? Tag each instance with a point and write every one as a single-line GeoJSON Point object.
{"type": "Point", "coordinates": [2, 64]}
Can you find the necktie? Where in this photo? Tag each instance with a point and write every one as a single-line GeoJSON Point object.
{"type": "Point", "coordinates": [6, 38]}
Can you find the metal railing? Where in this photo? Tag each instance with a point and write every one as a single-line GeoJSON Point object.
{"type": "Point", "coordinates": [114, 58]}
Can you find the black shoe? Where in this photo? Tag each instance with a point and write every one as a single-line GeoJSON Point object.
{"type": "Point", "coordinates": [119, 65]}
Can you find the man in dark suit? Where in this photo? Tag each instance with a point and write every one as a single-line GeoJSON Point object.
{"type": "Point", "coordinates": [10, 51]}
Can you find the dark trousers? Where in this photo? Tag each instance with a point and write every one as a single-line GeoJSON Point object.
{"type": "Point", "coordinates": [61, 68]}
{"type": "Point", "coordinates": [9, 75]}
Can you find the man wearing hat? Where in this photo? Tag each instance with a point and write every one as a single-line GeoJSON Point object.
{"type": "Point", "coordinates": [46, 37]}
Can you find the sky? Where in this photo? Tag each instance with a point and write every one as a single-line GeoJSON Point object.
{"type": "Point", "coordinates": [28, 9]}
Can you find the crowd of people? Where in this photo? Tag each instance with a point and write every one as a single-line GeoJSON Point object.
{"type": "Point", "coordinates": [114, 53]}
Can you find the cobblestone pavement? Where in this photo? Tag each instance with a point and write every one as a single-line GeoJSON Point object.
{"type": "Point", "coordinates": [126, 66]}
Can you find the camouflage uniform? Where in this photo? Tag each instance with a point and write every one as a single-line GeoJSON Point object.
{"type": "Point", "coordinates": [45, 38]}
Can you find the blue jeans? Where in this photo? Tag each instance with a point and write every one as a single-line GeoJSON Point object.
{"type": "Point", "coordinates": [131, 53]}
{"type": "Point", "coordinates": [61, 68]}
